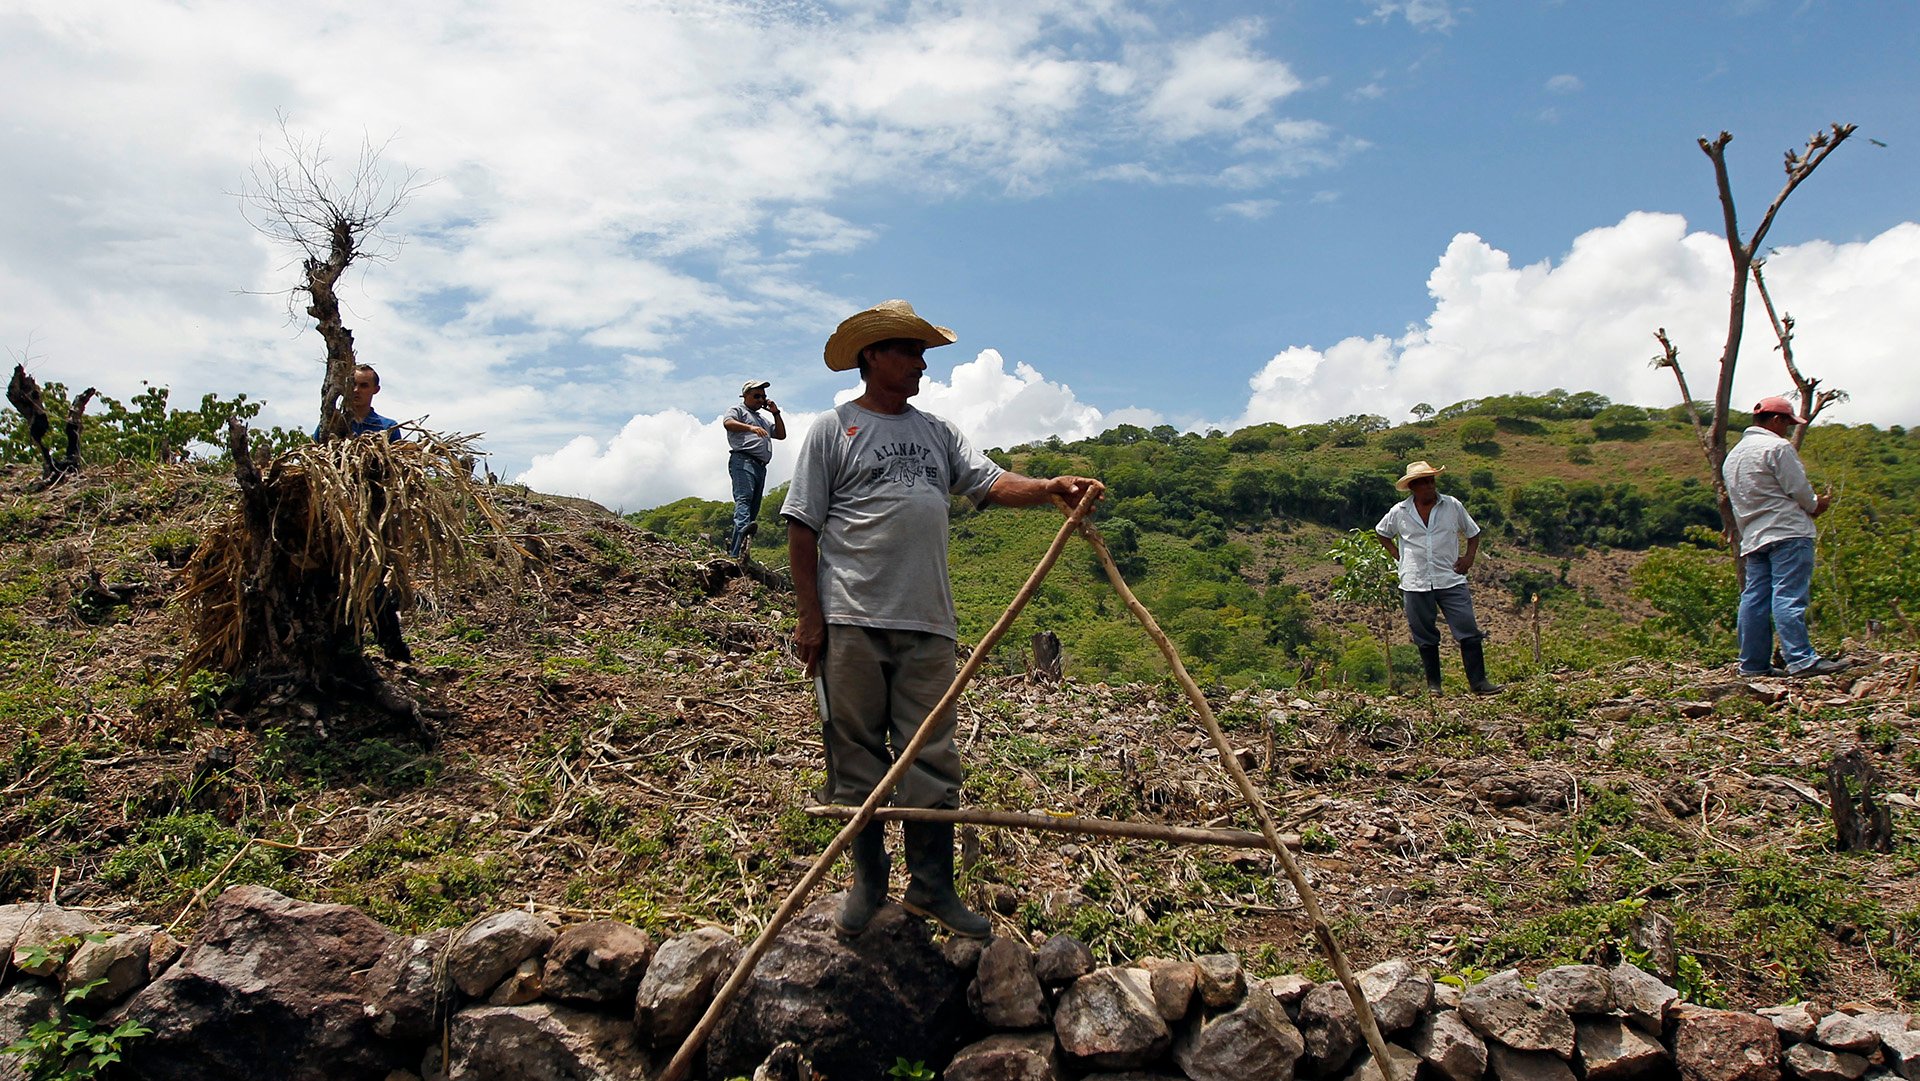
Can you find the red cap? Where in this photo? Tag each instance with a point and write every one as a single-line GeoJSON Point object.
{"type": "Point", "coordinates": [1777, 406]}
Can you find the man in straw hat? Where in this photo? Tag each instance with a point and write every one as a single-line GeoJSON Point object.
{"type": "Point", "coordinates": [1423, 533]}
{"type": "Point", "coordinates": [1775, 506]}
{"type": "Point", "coordinates": [749, 450]}
{"type": "Point", "coordinates": [867, 539]}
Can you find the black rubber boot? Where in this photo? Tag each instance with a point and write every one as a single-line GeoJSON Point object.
{"type": "Point", "coordinates": [930, 860]}
{"type": "Point", "coordinates": [1474, 659]}
{"type": "Point", "coordinates": [869, 890]}
{"type": "Point", "coordinates": [1430, 663]}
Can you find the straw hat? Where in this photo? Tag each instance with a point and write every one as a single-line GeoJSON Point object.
{"type": "Point", "coordinates": [752, 385]}
{"type": "Point", "coordinates": [885, 320]}
{"type": "Point", "coordinates": [1416, 470]}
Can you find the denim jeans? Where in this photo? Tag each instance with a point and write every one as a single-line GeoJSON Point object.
{"type": "Point", "coordinates": [749, 480]}
{"type": "Point", "coordinates": [1779, 582]}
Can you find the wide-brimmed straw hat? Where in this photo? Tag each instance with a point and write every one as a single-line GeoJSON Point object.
{"type": "Point", "coordinates": [1416, 470]}
{"type": "Point", "coordinates": [1778, 407]}
{"type": "Point", "coordinates": [884, 321]}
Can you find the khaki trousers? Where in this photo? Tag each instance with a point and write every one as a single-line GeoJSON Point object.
{"type": "Point", "coordinates": [875, 687]}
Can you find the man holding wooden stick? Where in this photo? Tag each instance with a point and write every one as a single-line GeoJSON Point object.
{"type": "Point", "coordinates": [867, 544]}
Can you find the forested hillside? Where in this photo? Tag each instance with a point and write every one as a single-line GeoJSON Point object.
{"type": "Point", "coordinates": [1603, 511]}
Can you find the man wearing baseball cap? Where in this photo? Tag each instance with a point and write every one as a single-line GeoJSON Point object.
{"type": "Point", "coordinates": [749, 450]}
{"type": "Point", "coordinates": [1775, 506]}
{"type": "Point", "coordinates": [867, 543]}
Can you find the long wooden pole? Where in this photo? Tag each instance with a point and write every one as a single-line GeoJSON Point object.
{"type": "Point", "coordinates": [1322, 931]}
{"type": "Point", "coordinates": [683, 1059]}
{"type": "Point", "coordinates": [1075, 824]}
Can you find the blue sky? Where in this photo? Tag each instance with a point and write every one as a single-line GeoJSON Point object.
{"type": "Point", "coordinates": [1203, 214]}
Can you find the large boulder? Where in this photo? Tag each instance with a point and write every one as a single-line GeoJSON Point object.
{"type": "Point", "coordinates": [494, 947]}
{"type": "Point", "coordinates": [1253, 1039]}
{"type": "Point", "coordinates": [270, 987]}
{"type": "Point", "coordinates": [600, 963]}
{"type": "Point", "coordinates": [1108, 1020]}
{"type": "Point", "coordinates": [1004, 993]}
{"type": "Point", "coordinates": [1329, 1027]}
{"type": "Point", "coordinates": [1008, 1056]}
{"type": "Point", "coordinates": [1504, 1009]}
{"type": "Point", "coordinates": [1722, 1045]}
{"type": "Point", "coordinates": [1398, 993]}
{"type": "Point", "coordinates": [856, 1006]}
{"type": "Point", "coordinates": [544, 1041]}
{"type": "Point", "coordinates": [680, 982]}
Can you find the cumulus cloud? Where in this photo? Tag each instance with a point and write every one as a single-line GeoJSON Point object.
{"type": "Point", "coordinates": [660, 457]}
{"type": "Point", "coordinates": [1217, 84]}
{"type": "Point", "coordinates": [1587, 323]}
{"type": "Point", "coordinates": [1420, 14]}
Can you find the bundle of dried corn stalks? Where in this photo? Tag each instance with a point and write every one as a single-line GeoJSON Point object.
{"type": "Point", "coordinates": [330, 533]}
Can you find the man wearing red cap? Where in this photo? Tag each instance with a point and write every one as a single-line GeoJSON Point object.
{"type": "Point", "coordinates": [1775, 506]}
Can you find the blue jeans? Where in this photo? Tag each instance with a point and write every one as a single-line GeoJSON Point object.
{"type": "Point", "coordinates": [749, 480]}
{"type": "Point", "coordinates": [1779, 582]}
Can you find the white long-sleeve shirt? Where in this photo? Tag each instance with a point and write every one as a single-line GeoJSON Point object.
{"type": "Point", "coordinates": [1428, 549]}
{"type": "Point", "coordinates": [1772, 498]}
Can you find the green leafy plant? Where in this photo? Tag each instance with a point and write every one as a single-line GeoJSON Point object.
{"type": "Point", "coordinates": [71, 1046]}
{"type": "Point", "coordinates": [910, 1071]}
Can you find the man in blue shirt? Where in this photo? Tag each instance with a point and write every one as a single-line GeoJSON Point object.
{"type": "Point", "coordinates": [361, 419]}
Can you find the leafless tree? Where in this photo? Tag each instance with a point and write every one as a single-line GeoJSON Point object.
{"type": "Point", "coordinates": [331, 218]}
{"type": "Point", "coordinates": [1799, 165]}
{"type": "Point", "coordinates": [1813, 400]}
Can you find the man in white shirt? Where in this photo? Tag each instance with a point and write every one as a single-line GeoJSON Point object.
{"type": "Point", "coordinates": [748, 453]}
{"type": "Point", "coordinates": [867, 544]}
{"type": "Point", "coordinates": [1774, 506]}
{"type": "Point", "coordinates": [1423, 533]}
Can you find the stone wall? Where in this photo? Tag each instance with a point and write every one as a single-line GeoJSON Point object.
{"type": "Point", "coordinates": [273, 988]}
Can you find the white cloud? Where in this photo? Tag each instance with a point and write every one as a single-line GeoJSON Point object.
{"type": "Point", "coordinates": [1217, 84]}
{"type": "Point", "coordinates": [1250, 209]}
{"type": "Point", "coordinates": [663, 456]}
{"type": "Point", "coordinates": [1588, 323]}
{"type": "Point", "coordinates": [1565, 84]}
{"type": "Point", "coordinates": [1420, 14]}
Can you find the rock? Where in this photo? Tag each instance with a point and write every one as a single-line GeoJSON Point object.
{"type": "Point", "coordinates": [1795, 1023]}
{"type": "Point", "coordinates": [1061, 960]}
{"type": "Point", "coordinates": [787, 1062]}
{"type": "Point", "coordinates": [22, 1006]}
{"type": "Point", "coordinates": [1004, 993]}
{"type": "Point", "coordinates": [1406, 1065]}
{"type": "Point", "coordinates": [542, 1042]}
{"type": "Point", "coordinates": [961, 952]}
{"type": "Point", "coordinates": [1253, 1039]}
{"type": "Point", "coordinates": [484, 953]}
{"type": "Point", "coordinates": [1222, 980]}
{"type": "Point", "coordinates": [1502, 1008]}
{"type": "Point", "coordinates": [1449, 1045]}
{"type": "Point", "coordinates": [522, 985]}
{"type": "Point", "coordinates": [162, 952]}
{"type": "Point", "coordinates": [120, 962]}
{"type": "Point", "coordinates": [1652, 932]}
{"type": "Point", "coordinates": [40, 933]}
{"type": "Point", "coordinates": [599, 962]}
{"type": "Point", "coordinates": [1721, 1045]}
{"type": "Point", "coordinates": [1008, 1056]}
{"type": "Point", "coordinates": [1107, 1019]}
{"type": "Point", "coordinates": [1885, 1022]}
{"type": "Point", "coordinates": [1577, 989]}
{"type": "Point", "coordinates": [1810, 1063]}
{"type": "Point", "coordinates": [1289, 989]}
{"type": "Point", "coordinates": [1844, 1032]}
{"type": "Point", "coordinates": [270, 987]}
{"type": "Point", "coordinates": [856, 1006]}
{"type": "Point", "coordinates": [1173, 984]}
{"type": "Point", "coordinates": [1610, 1050]}
{"type": "Point", "coordinates": [1507, 1064]}
{"type": "Point", "coordinates": [1328, 1027]}
{"type": "Point", "coordinates": [1903, 1054]}
{"type": "Point", "coordinates": [406, 997]}
{"type": "Point", "coordinates": [1398, 993]}
{"type": "Point", "coordinates": [1642, 997]}
{"type": "Point", "coordinates": [680, 983]}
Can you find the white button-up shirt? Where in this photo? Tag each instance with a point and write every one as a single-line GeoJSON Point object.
{"type": "Point", "coordinates": [1772, 498]}
{"type": "Point", "coordinates": [1428, 549]}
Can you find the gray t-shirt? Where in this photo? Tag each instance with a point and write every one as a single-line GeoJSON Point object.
{"type": "Point", "coordinates": [875, 487]}
{"type": "Point", "coordinates": [754, 444]}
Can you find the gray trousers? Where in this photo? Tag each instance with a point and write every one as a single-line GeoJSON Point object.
{"type": "Point", "coordinates": [1455, 603]}
{"type": "Point", "coordinates": [875, 688]}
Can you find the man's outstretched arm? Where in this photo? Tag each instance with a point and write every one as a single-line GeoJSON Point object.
{"type": "Point", "coordinates": [1016, 490]}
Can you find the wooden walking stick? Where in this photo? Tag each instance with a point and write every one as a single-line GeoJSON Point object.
{"type": "Point", "coordinates": [1322, 931]}
{"type": "Point", "coordinates": [683, 1059]}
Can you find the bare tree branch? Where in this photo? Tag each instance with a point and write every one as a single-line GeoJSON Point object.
{"type": "Point", "coordinates": [1812, 399]}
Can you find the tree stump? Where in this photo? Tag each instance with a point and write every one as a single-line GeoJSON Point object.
{"type": "Point", "coordinates": [1861, 823]}
{"type": "Point", "coordinates": [1046, 657]}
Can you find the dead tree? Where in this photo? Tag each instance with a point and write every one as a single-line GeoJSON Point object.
{"type": "Point", "coordinates": [23, 392]}
{"type": "Point", "coordinates": [1812, 399]}
{"type": "Point", "coordinates": [1800, 165]}
{"type": "Point", "coordinates": [293, 197]}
